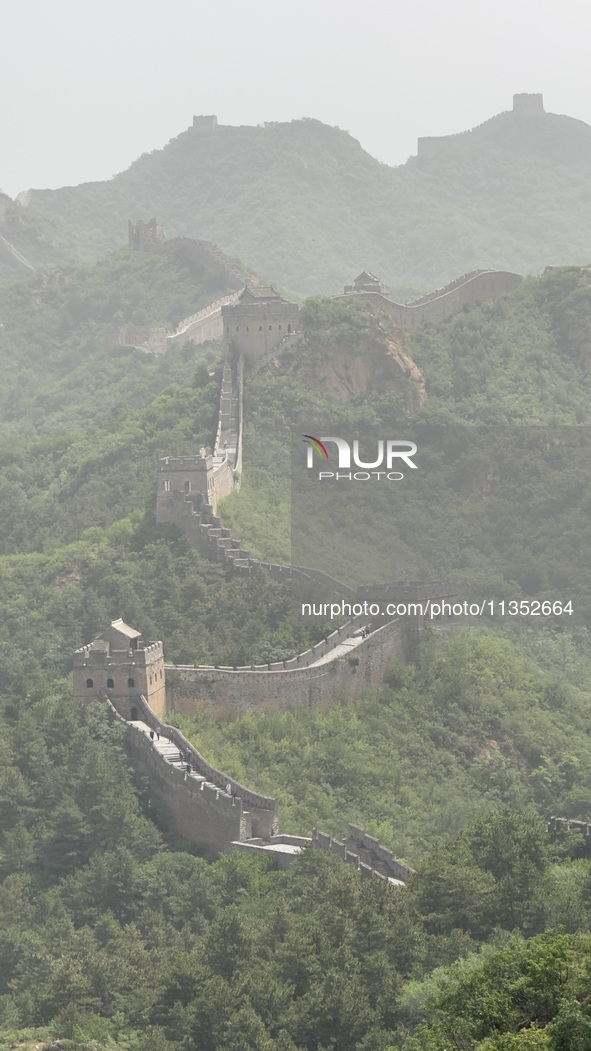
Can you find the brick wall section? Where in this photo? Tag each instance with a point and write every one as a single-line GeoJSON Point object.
{"type": "Point", "coordinates": [205, 325]}
{"type": "Point", "coordinates": [263, 809]}
{"type": "Point", "coordinates": [374, 855]}
{"type": "Point", "coordinates": [202, 813]}
{"type": "Point", "coordinates": [365, 852]}
{"type": "Point", "coordinates": [525, 106]}
{"type": "Point", "coordinates": [478, 286]}
{"type": "Point", "coordinates": [229, 693]}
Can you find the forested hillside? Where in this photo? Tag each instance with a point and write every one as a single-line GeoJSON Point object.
{"type": "Point", "coordinates": [306, 206]}
{"type": "Point", "coordinates": [83, 422]}
{"type": "Point", "coordinates": [114, 935]}
{"type": "Point", "coordinates": [112, 939]}
{"type": "Point", "coordinates": [28, 241]}
{"type": "Point", "coordinates": [501, 419]}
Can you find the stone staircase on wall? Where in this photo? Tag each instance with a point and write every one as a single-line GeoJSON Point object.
{"type": "Point", "coordinates": [228, 439]}
{"type": "Point", "coordinates": [215, 811]}
{"type": "Point", "coordinates": [203, 804]}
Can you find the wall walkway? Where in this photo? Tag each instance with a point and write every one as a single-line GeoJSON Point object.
{"type": "Point", "coordinates": [206, 324]}
{"type": "Point", "coordinates": [316, 679]}
{"type": "Point", "coordinates": [218, 813]}
{"type": "Point", "coordinates": [470, 289]}
{"type": "Point", "coordinates": [204, 805]}
{"type": "Point", "coordinates": [200, 802]}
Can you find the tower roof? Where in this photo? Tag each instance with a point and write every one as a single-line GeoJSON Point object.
{"type": "Point", "coordinates": [124, 629]}
{"type": "Point", "coordinates": [259, 292]}
{"type": "Point", "coordinates": [366, 276]}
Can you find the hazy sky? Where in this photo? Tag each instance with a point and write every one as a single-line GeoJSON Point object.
{"type": "Point", "coordinates": [88, 86]}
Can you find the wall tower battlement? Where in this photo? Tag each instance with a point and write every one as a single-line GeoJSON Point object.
{"type": "Point", "coordinates": [119, 663]}
{"type": "Point", "coordinates": [525, 105]}
{"type": "Point", "coordinates": [143, 235]}
{"type": "Point", "coordinates": [205, 124]}
{"type": "Point", "coordinates": [257, 322]}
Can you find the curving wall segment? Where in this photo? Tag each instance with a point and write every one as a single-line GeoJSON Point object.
{"type": "Point", "coordinates": [202, 804]}
{"type": "Point", "coordinates": [216, 812]}
{"type": "Point", "coordinates": [471, 289]}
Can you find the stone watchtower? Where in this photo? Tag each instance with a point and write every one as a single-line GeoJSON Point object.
{"type": "Point", "coordinates": [183, 482]}
{"type": "Point", "coordinates": [120, 663]}
{"type": "Point", "coordinates": [205, 124]}
{"type": "Point", "coordinates": [366, 282]}
{"type": "Point", "coordinates": [142, 236]}
{"type": "Point", "coordinates": [258, 322]}
{"type": "Point", "coordinates": [528, 106]}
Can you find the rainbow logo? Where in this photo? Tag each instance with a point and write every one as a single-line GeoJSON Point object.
{"type": "Point", "coordinates": [315, 443]}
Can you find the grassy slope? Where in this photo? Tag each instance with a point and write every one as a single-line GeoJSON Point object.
{"type": "Point", "coordinates": [520, 361]}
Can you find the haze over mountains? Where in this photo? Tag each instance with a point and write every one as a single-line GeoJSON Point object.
{"type": "Point", "coordinates": [306, 206]}
{"type": "Point", "coordinates": [116, 937]}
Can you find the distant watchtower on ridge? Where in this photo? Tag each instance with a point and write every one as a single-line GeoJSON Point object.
{"type": "Point", "coordinates": [528, 106]}
{"type": "Point", "coordinates": [141, 235]}
{"type": "Point", "coordinates": [525, 107]}
{"type": "Point", "coordinates": [205, 124]}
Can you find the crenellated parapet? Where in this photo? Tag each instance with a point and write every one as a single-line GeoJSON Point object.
{"type": "Point", "coordinates": [187, 794]}
{"type": "Point", "coordinates": [471, 289]}
{"type": "Point", "coordinates": [218, 813]}
{"type": "Point", "coordinates": [366, 853]}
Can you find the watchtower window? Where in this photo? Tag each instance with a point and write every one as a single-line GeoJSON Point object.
{"type": "Point", "coordinates": [133, 715]}
{"type": "Point", "coordinates": [187, 487]}
{"type": "Point", "coordinates": [289, 328]}
{"type": "Point", "coordinates": [238, 328]}
{"type": "Point", "coordinates": [260, 328]}
{"type": "Point", "coordinates": [227, 328]}
{"type": "Point", "coordinates": [270, 327]}
{"type": "Point", "coordinates": [89, 684]}
{"type": "Point", "coordinates": [130, 682]}
{"type": "Point", "coordinates": [279, 326]}
{"type": "Point", "coordinates": [166, 485]}
{"type": "Point", "coordinates": [247, 329]}
{"type": "Point", "coordinates": [110, 684]}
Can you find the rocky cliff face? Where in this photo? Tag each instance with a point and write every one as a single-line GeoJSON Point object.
{"type": "Point", "coordinates": [378, 362]}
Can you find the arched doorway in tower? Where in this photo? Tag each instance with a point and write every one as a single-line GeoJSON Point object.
{"type": "Point", "coordinates": [133, 715]}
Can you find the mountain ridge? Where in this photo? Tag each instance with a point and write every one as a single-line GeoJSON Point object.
{"type": "Point", "coordinates": [305, 205]}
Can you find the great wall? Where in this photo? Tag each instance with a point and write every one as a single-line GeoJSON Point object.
{"type": "Point", "coordinates": [203, 804]}
{"type": "Point", "coordinates": [526, 107]}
